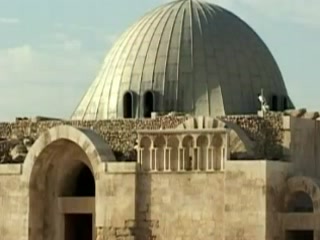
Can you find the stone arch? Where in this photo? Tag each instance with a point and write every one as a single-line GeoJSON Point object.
{"type": "Point", "coordinates": [202, 141]}
{"type": "Point", "coordinates": [241, 146]}
{"type": "Point", "coordinates": [187, 141]}
{"type": "Point", "coordinates": [305, 185]}
{"type": "Point", "coordinates": [92, 144]}
{"type": "Point", "coordinates": [159, 141]}
{"type": "Point", "coordinates": [48, 170]}
{"type": "Point", "coordinates": [300, 202]}
{"type": "Point", "coordinates": [216, 141]}
{"type": "Point", "coordinates": [145, 142]}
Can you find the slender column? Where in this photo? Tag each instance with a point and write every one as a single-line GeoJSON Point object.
{"type": "Point", "coordinates": [223, 157]}
{"type": "Point", "coordinates": [155, 150]}
{"type": "Point", "coordinates": [207, 159]}
{"type": "Point", "coordinates": [169, 159]}
{"type": "Point", "coordinates": [151, 158]}
{"type": "Point", "coordinates": [199, 151]}
{"type": "Point", "coordinates": [227, 146]}
{"type": "Point", "coordinates": [212, 158]}
{"type": "Point", "coordinates": [181, 165]}
{"type": "Point", "coordinates": [179, 159]}
{"type": "Point", "coordinates": [140, 157]}
{"type": "Point", "coordinates": [164, 159]}
{"type": "Point", "coordinates": [217, 154]}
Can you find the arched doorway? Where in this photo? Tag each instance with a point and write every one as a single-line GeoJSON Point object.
{"type": "Point", "coordinates": [59, 171]}
{"type": "Point", "coordinates": [63, 190]}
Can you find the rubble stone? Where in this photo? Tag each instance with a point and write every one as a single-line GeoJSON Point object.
{"type": "Point", "coordinates": [121, 135]}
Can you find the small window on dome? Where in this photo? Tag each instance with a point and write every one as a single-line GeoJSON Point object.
{"type": "Point", "coordinates": [148, 104]}
{"type": "Point", "coordinates": [274, 106]}
{"type": "Point", "coordinates": [128, 105]}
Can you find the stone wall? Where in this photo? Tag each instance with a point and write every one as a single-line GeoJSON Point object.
{"type": "Point", "coordinates": [253, 199]}
{"type": "Point", "coordinates": [120, 134]}
{"type": "Point", "coordinates": [241, 203]}
{"type": "Point", "coordinates": [13, 204]}
{"type": "Point", "coordinates": [305, 146]}
{"type": "Point", "coordinates": [165, 206]}
{"type": "Point", "coordinates": [115, 198]}
{"type": "Point", "coordinates": [277, 174]}
{"type": "Point", "coordinates": [244, 200]}
{"type": "Point", "coordinates": [192, 209]}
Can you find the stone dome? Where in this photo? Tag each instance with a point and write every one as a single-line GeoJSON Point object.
{"type": "Point", "coordinates": [185, 56]}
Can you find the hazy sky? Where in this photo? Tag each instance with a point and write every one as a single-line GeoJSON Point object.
{"type": "Point", "coordinates": [50, 51]}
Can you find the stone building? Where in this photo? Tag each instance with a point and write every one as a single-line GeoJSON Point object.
{"type": "Point", "coordinates": [169, 143]}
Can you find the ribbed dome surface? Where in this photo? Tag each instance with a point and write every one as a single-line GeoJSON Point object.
{"type": "Point", "coordinates": [195, 57]}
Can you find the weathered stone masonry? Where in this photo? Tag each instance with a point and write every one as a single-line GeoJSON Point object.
{"type": "Point", "coordinates": [121, 134]}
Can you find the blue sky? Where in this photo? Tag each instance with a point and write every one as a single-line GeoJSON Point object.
{"type": "Point", "coordinates": [50, 51]}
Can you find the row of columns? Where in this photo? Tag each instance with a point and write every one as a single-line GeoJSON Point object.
{"type": "Point", "coordinates": [169, 159]}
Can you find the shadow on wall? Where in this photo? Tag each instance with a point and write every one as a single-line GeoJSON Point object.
{"type": "Point", "coordinates": [143, 223]}
{"type": "Point", "coordinates": [145, 226]}
{"type": "Point", "coordinates": [273, 193]}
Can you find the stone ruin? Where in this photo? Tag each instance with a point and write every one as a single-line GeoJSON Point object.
{"type": "Point", "coordinates": [262, 136]}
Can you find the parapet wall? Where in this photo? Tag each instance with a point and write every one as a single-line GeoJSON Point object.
{"type": "Point", "coordinates": [121, 134]}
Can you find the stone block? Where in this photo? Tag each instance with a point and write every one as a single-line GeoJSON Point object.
{"type": "Point", "coordinates": [121, 167]}
{"type": "Point", "coordinates": [286, 120]}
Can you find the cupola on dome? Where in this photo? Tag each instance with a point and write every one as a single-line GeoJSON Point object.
{"type": "Point", "coordinates": [185, 56]}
